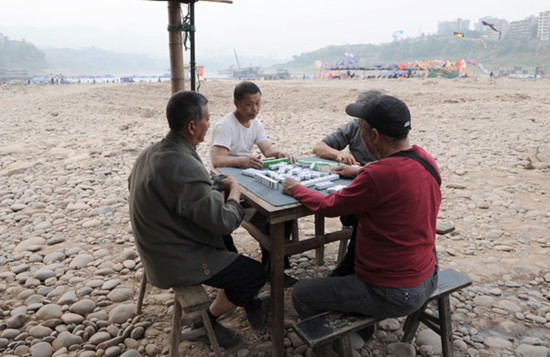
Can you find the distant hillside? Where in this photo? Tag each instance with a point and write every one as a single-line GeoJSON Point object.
{"type": "Point", "coordinates": [94, 61]}
{"type": "Point", "coordinates": [20, 55]}
{"type": "Point", "coordinates": [497, 53]}
{"type": "Point", "coordinates": [87, 61]}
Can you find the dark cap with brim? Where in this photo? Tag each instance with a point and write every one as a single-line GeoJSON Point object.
{"type": "Point", "coordinates": [387, 114]}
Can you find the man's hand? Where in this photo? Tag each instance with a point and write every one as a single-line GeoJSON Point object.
{"type": "Point", "coordinates": [288, 185]}
{"type": "Point", "coordinates": [231, 182]}
{"type": "Point", "coordinates": [234, 188]}
{"type": "Point", "coordinates": [346, 158]}
{"type": "Point", "coordinates": [252, 162]}
{"type": "Point", "coordinates": [284, 154]}
{"type": "Point", "coordinates": [346, 171]}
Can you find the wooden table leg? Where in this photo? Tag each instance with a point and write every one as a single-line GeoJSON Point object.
{"type": "Point", "coordinates": [277, 289]}
{"type": "Point", "coordinates": [319, 230]}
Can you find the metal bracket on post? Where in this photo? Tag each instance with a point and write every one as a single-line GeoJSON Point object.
{"type": "Point", "coordinates": [187, 26]}
{"type": "Point", "coordinates": [192, 62]}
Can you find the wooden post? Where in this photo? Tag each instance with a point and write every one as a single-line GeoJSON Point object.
{"type": "Point", "coordinates": [175, 43]}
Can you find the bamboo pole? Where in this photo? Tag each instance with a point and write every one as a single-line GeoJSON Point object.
{"type": "Point", "coordinates": [192, 62]}
{"type": "Point", "coordinates": [175, 44]}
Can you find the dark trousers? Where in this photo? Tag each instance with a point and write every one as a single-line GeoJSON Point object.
{"type": "Point", "coordinates": [352, 295]}
{"type": "Point", "coordinates": [241, 281]}
{"type": "Point", "coordinates": [260, 222]}
{"type": "Point", "coordinates": [347, 265]}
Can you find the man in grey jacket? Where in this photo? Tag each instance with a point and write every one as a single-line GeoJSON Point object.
{"type": "Point", "coordinates": [179, 220]}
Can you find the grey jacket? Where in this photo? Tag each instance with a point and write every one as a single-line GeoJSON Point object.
{"type": "Point", "coordinates": [177, 218]}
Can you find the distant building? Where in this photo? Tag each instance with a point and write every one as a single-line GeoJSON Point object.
{"type": "Point", "coordinates": [543, 32]}
{"type": "Point", "coordinates": [520, 71]}
{"type": "Point", "coordinates": [448, 27]}
{"type": "Point", "coordinates": [10, 74]}
{"type": "Point", "coordinates": [523, 30]}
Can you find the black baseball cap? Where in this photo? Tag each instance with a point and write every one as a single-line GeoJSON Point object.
{"type": "Point", "coordinates": [387, 114]}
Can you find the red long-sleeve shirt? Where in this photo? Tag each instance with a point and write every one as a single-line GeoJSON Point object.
{"type": "Point", "coordinates": [396, 201]}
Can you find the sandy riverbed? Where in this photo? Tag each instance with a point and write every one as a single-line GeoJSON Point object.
{"type": "Point", "coordinates": [66, 152]}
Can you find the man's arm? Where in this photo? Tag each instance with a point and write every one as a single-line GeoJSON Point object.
{"type": "Point", "coordinates": [210, 212]}
{"type": "Point", "coordinates": [332, 145]}
{"type": "Point", "coordinates": [360, 195]}
{"type": "Point", "coordinates": [221, 158]}
{"type": "Point", "coordinates": [269, 151]}
{"type": "Point", "coordinates": [322, 149]}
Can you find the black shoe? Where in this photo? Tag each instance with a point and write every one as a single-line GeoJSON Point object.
{"type": "Point", "coordinates": [342, 269]}
{"type": "Point", "coordinates": [366, 333]}
{"type": "Point", "coordinates": [227, 338]}
{"type": "Point", "coordinates": [288, 281]}
{"type": "Point", "coordinates": [256, 318]}
{"type": "Point", "coordinates": [334, 273]}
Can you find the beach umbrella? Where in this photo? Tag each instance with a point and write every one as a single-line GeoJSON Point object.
{"type": "Point", "coordinates": [175, 40]}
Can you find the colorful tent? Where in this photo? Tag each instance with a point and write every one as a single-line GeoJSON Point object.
{"type": "Point", "coordinates": [346, 63]}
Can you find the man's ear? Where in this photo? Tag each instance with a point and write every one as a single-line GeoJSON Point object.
{"type": "Point", "coordinates": [375, 136]}
{"type": "Point", "coordinates": [236, 102]}
{"type": "Point", "coordinates": [191, 126]}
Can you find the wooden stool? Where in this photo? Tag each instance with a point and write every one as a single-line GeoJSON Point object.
{"type": "Point", "coordinates": [187, 299]}
{"type": "Point", "coordinates": [321, 329]}
{"type": "Point", "coordinates": [141, 294]}
{"type": "Point", "coordinates": [449, 281]}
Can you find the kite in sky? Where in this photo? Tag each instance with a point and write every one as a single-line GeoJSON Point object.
{"type": "Point", "coordinates": [397, 34]}
{"type": "Point", "coordinates": [461, 36]}
{"type": "Point", "coordinates": [493, 27]}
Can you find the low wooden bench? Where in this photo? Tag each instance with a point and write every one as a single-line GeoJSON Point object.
{"type": "Point", "coordinates": [336, 326]}
{"type": "Point", "coordinates": [190, 300]}
{"type": "Point", "coordinates": [441, 229]}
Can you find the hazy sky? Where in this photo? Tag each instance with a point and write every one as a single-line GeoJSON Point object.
{"type": "Point", "coordinates": [276, 28]}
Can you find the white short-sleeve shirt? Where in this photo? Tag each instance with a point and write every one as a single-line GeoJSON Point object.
{"type": "Point", "coordinates": [231, 134]}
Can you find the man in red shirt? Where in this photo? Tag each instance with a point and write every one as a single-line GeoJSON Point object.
{"type": "Point", "coordinates": [396, 200]}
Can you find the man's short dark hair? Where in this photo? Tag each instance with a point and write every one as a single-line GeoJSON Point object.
{"type": "Point", "coordinates": [183, 107]}
{"type": "Point", "coordinates": [243, 88]}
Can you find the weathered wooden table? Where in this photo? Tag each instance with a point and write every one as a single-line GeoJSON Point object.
{"type": "Point", "coordinates": [276, 217]}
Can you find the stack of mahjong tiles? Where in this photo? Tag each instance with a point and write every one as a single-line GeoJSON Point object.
{"type": "Point", "coordinates": [308, 173]}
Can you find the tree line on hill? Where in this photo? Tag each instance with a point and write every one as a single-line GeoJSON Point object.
{"type": "Point", "coordinates": [85, 61]}
{"type": "Point", "coordinates": [88, 61]}
{"type": "Point", "coordinates": [451, 48]}
{"type": "Point", "coordinates": [20, 55]}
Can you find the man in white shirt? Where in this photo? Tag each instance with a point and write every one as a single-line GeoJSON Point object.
{"type": "Point", "coordinates": [232, 142]}
{"type": "Point", "coordinates": [235, 135]}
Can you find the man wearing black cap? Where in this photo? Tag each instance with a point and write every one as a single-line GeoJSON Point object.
{"type": "Point", "coordinates": [347, 136]}
{"type": "Point", "coordinates": [396, 200]}
{"type": "Point", "coordinates": [332, 147]}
